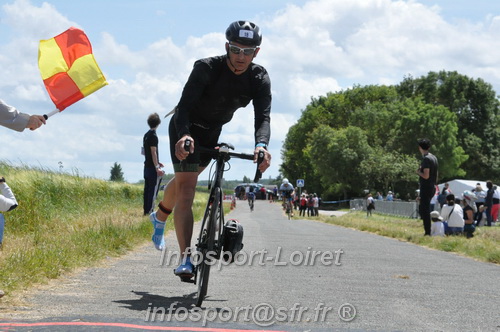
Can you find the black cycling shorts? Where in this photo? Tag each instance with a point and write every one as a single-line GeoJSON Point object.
{"type": "Point", "coordinates": [207, 138]}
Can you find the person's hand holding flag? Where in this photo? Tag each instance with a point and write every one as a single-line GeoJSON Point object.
{"type": "Point", "coordinates": [68, 68]}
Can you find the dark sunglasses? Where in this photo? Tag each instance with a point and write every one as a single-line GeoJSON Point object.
{"type": "Point", "coordinates": [246, 51]}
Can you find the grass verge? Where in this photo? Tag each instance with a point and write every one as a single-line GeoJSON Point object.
{"type": "Point", "coordinates": [484, 246]}
{"type": "Point", "coordinates": [64, 222]}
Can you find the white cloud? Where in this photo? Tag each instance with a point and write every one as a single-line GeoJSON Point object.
{"type": "Point", "coordinates": [309, 50]}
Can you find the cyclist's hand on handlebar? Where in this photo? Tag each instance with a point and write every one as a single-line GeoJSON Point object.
{"type": "Point", "coordinates": [267, 159]}
{"type": "Point", "coordinates": [180, 151]}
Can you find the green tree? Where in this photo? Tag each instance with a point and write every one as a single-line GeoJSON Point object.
{"type": "Point", "coordinates": [338, 155]}
{"type": "Point", "coordinates": [389, 170]}
{"type": "Point", "coordinates": [415, 119]}
{"type": "Point", "coordinates": [476, 106]}
{"type": "Point", "coordinates": [116, 173]}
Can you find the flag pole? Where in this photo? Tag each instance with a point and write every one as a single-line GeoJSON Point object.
{"type": "Point", "coordinates": [46, 116]}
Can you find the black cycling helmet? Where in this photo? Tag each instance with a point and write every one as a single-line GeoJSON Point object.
{"type": "Point", "coordinates": [245, 33]}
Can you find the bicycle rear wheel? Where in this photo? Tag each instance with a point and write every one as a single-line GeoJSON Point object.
{"type": "Point", "coordinates": [206, 246]}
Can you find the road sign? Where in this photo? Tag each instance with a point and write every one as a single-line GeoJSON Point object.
{"type": "Point", "coordinates": [300, 183]}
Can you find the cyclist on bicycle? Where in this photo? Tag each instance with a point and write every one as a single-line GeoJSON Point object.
{"type": "Point", "coordinates": [287, 191]}
{"type": "Point", "coordinates": [215, 89]}
{"type": "Point", "coordinates": [251, 197]}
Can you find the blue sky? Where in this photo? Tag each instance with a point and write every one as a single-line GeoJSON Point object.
{"type": "Point", "coordinates": [146, 50]}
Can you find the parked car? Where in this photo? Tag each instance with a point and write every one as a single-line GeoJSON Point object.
{"type": "Point", "coordinates": [239, 190]}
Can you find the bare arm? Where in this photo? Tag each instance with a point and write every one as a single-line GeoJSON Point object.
{"type": "Point", "coordinates": [425, 173]}
{"type": "Point", "coordinates": [157, 164]}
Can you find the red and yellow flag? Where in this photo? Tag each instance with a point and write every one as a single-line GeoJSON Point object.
{"type": "Point", "coordinates": [68, 67]}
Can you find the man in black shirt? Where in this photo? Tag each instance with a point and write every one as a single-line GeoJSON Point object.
{"type": "Point", "coordinates": [152, 166]}
{"type": "Point", "coordinates": [215, 89]}
{"type": "Point", "coordinates": [428, 172]}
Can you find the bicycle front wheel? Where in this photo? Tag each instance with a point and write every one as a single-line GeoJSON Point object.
{"type": "Point", "coordinates": [207, 247]}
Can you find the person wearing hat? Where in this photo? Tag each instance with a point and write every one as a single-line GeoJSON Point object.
{"type": "Point", "coordinates": [389, 196]}
{"type": "Point", "coordinates": [480, 195]}
{"type": "Point", "coordinates": [215, 89]}
{"type": "Point", "coordinates": [437, 227]}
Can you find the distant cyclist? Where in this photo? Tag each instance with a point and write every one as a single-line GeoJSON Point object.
{"type": "Point", "coordinates": [287, 190]}
{"type": "Point", "coordinates": [251, 198]}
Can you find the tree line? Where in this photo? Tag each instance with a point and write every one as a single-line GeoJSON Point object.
{"type": "Point", "coordinates": [366, 137]}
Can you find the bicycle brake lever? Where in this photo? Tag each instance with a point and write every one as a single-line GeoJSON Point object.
{"type": "Point", "coordinates": [258, 173]}
{"type": "Point", "coordinates": [187, 147]}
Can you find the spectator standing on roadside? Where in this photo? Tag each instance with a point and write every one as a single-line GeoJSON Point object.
{"type": "Point", "coordinates": [496, 204]}
{"type": "Point", "coordinates": [442, 195]}
{"type": "Point", "coordinates": [303, 205]}
{"type": "Point", "coordinates": [370, 205]}
{"type": "Point", "coordinates": [488, 202]}
{"type": "Point", "coordinates": [427, 172]}
{"type": "Point", "coordinates": [310, 205]}
{"type": "Point", "coordinates": [481, 195]}
{"type": "Point", "coordinates": [316, 204]}
{"type": "Point", "coordinates": [389, 197]}
{"type": "Point", "coordinates": [152, 167]}
{"type": "Point", "coordinates": [469, 211]}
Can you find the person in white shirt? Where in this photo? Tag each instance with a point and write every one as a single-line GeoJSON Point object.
{"type": "Point", "coordinates": [370, 205]}
{"type": "Point", "coordinates": [316, 205]}
{"type": "Point", "coordinates": [453, 216]}
{"type": "Point", "coordinates": [7, 203]}
{"type": "Point", "coordinates": [437, 226]}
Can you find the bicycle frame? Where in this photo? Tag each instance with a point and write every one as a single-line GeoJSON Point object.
{"type": "Point", "coordinates": [210, 239]}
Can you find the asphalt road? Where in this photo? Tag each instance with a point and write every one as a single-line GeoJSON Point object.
{"type": "Point", "coordinates": [293, 275]}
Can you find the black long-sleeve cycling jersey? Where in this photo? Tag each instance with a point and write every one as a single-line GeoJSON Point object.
{"type": "Point", "coordinates": [213, 93]}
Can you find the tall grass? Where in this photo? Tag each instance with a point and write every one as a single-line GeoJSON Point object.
{"type": "Point", "coordinates": [484, 246]}
{"type": "Point", "coordinates": [64, 222]}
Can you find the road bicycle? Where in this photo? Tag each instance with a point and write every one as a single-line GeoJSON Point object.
{"type": "Point", "coordinates": [287, 207]}
{"type": "Point", "coordinates": [211, 240]}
